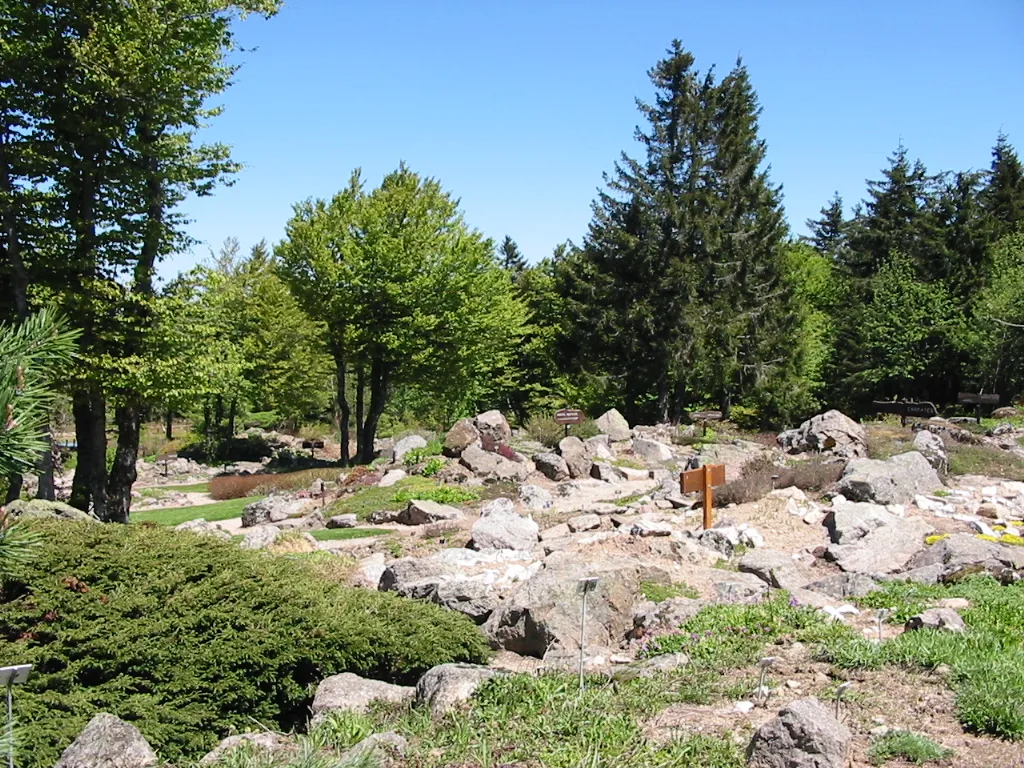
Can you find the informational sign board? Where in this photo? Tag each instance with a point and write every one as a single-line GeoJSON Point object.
{"type": "Point", "coordinates": [702, 480]}
{"type": "Point", "coordinates": [568, 416]}
{"type": "Point", "coordinates": [906, 410]}
{"type": "Point", "coordinates": [969, 398]}
{"type": "Point", "coordinates": [706, 416]}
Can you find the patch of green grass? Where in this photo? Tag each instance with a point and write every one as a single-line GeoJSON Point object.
{"type": "Point", "coordinates": [628, 463]}
{"type": "Point", "coordinates": [416, 455]}
{"type": "Point", "coordinates": [335, 534]}
{"type": "Point", "coordinates": [986, 663]}
{"type": "Point", "coordinates": [221, 510]}
{"type": "Point", "coordinates": [193, 488]}
{"type": "Point", "coordinates": [904, 745]}
{"type": "Point", "coordinates": [442, 494]}
{"type": "Point", "coordinates": [659, 593]}
{"type": "Point", "coordinates": [985, 460]}
{"type": "Point", "coordinates": [625, 501]}
{"type": "Point", "coordinates": [367, 500]}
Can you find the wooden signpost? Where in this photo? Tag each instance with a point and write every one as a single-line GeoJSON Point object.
{"type": "Point", "coordinates": [312, 445]}
{"type": "Point", "coordinates": [702, 480]}
{"type": "Point", "coordinates": [903, 409]}
{"type": "Point", "coordinates": [569, 416]}
{"type": "Point", "coordinates": [165, 459]}
{"type": "Point", "coordinates": [704, 417]}
{"type": "Point", "coordinates": [970, 398]}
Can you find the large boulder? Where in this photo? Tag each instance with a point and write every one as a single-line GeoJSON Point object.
{"type": "Point", "coordinates": [493, 428]}
{"type": "Point", "coordinates": [963, 554]}
{"type": "Point", "coordinates": [500, 527]}
{"type": "Point", "coordinates": [775, 569]}
{"type": "Point", "coordinates": [552, 466]}
{"type": "Point", "coordinates": [392, 477]}
{"type": "Point", "coordinates": [265, 744]}
{"type": "Point", "coordinates": [108, 742]}
{"type": "Point", "coordinates": [576, 456]}
{"type": "Point", "coordinates": [805, 734]}
{"type": "Point", "coordinates": [40, 509]}
{"type": "Point", "coordinates": [544, 612]}
{"type": "Point", "coordinates": [848, 521]}
{"type": "Point", "coordinates": [422, 511]}
{"type": "Point", "coordinates": [945, 619]}
{"type": "Point", "coordinates": [260, 537]}
{"type": "Point", "coordinates": [893, 481]}
{"type": "Point", "coordinates": [462, 435]}
{"type": "Point", "coordinates": [534, 497]}
{"type": "Point", "coordinates": [444, 687]}
{"type": "Point", "coordinates": [930, 445]}
{"type": "Point", "coordinates": [614, 424]}
{"type": "Point", "coordinates": [352, 693]}
{"type": "Point", "coordinates": [831, 432]}
{"type": "Point", "coordinates": [204, 528]}
{"type": "Point", "coordinates": [492, 466]}
{"type": "Point", "coordinates": [651, 450]}
{"type": "Point", "coordinates": [406, 444]}
{"type": "Point", "coordinates": [884, 550]}
{"type": "Point", "coordinates": [843, 586]}
{"type": "Point", "coordinates": [273, 509]}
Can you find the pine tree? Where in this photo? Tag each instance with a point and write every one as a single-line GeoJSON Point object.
{"type": "Point", "coordinates": [1003, 195]}
{"type": "Point", "coordinates": [829, 233]}
{"type": "Point", "coordinates": [510, 256]}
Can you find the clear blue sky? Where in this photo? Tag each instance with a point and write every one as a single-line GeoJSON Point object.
{"type": "Point", "coordinates": [519, 107]}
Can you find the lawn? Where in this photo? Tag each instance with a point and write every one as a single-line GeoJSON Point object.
{"type": "Point", "coordinates": [335, 534]}
{"type": "Point", "coordinates": [985, 460]}
{"type": "Point", "coordinates": [365, 501]}
{"type": "Point", "coordinates": [221, 510]}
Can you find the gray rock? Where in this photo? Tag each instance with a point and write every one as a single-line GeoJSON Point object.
{"type": "Point", "coordinates": [392, 476]}
{"type": "Point", "coordinates": [494, 429]}
{"type": "Point", "coordinates": [352, 693]}
{"type": "Point", "coordinates": [722, 540]}
{"type": "Point", "coordinates": [468, 596]}
{"type": "Point", "coordinates": [422, 511]}
{"type": "Point", "coordinates": [545, 611]}
{"type": "Point", "coordinates": [273, 509]}
{"type": "Point", "coordinates": [314, 521]}
{"type": "Point", "coordinates": [884, 550]}
{"type": "Point", "coordinates": [406, 444]}
{"type": "Point", "coordinates": [500, 527]}
{"type": "Point", "coordinates": [893, 481]}
{"type": "Point", "coordinates": [40, 509]}
{"type": "Point", "coordinates": [607, 473]}
{"type": "Point", "coordinates": [342, 521]}
{"type": "Point", "coordinates": [831, 432]}
{"type": "Point", "coordinates": [598, 448]}
{"type": "Point", "coordinates": [369, 571]}
{"type": "Point", "coordinates": [260, 537]}
{"type": "Point", "coordinates": [930, 445]}
{"type": "Point", "coordinates": [576, 457]}
{"type": "Point", "coordinates": [460, 437]}
{"type": "Point", "coordinates": [652, 450]}
{"type": "Point", "coordinates": [740, 588]}
{"type": "Point", "coordinates": [614, 424]}
{"type": "Point", "coordinates": [937, 618]}
{"type": "Point", "coordinates": [491, 466]}
{"type": "Point", "coordinates": [559, 531]}
{"type": "Point", "coordinates": [849, 521]}
{"type": "Point", "coordinates": [584, 523]}
{"type": "Point", "coordinates": [108, 742]}
{"type": "Point", "coordinates": [444, 687]}
{"type": "Point", "coordinates": [203, 528]}
{"type": "Point", "coordinates": [845, 585]}
{"type": "Point", "coordinates": [263, 743]}
{"type": "Point", "coordinates": [962, 553]}
{"type": "Point", "coordinates": [370, 750]}
{"type": "Point", "coordinates": [805, 734]}
{"type": "Point", "coordinates": [773, 568]}
{"type": "Point", "coordinates": [534, 497]}
{"type": "Point", "coordinates": [552, 466]}
{"type": "Point", "coordinates": [647, 528]}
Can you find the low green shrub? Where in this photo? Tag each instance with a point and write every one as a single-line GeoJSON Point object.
{"type": "Point", "coordinates": [546, 431]}
{"type": "Point", "coordinates": [904, 745]}
{"type": "Point", "coordinates": [188, 637]}
{"type": "Point", "coordinates": [417, 455]}
{"type": "Point", "coordinates": [659, 593]}
{"type": "Point", "coordinates": [433, 466]}
{"type": "Point", "coordinates": [442, 494]}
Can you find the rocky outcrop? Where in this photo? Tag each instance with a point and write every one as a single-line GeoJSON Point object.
{"type": "Point", "coordinates": [493, 428]}
{"type": "Point", "coordinates": [260, 537]}
{"type": "Point", "coordinates": [40, 509]}
{"type": "Point", "coordinates": [492, 466]}
{"type": "Point", "coordinates": [352, 693]}
{"type": "Point", "coordinates": [273, 509]}
{"type": "Point", "coordinates": [342, 521]}
{"type": "Point", "coordinates": [963, 554]}
{"type": "Point", "coordinates": [204, 528]}
{"type": "Point", "coordinates": [945, 619]}
{"type": "Point", "coordinates": [108, 742]}
{"type": "Point", "coordinates": [552, 466]}
{"type": "Point", "coordinates": [848, 521]}
{"type": "Point", "coordinates": [831, 433]}
{"type": "Point", "coordinates": [462, 435]}
{"type": "Point", "coordinates": [444, 687]}
{"type": "Point", "coordinates": [884, 550]}
{"type": "Point", "coordinates": [930, 445]}
{"type": "Point", "coordinates": [773, 568]}
{"type": "Point", "coordinates": [422, 511]}
{"type": "Point", "coordinates": [534, 497]}
{"type": "Point", "coordinates": [893, 481]}
{"type": "Point", "coordinates": [651, 450]}
{"type": "Point", "coordinates": [614, 424]}
{"type": "Point", "coordinates": [805, 734]}
{"type": "Point", "coordinates": [500, 527]}
{"type": "Point", "coordinates": [576, 456]}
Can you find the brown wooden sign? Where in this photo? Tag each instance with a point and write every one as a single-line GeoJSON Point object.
{"type": "Point", "coordinates": [905, 409]}
{"type": "Point", "coordinates": [702, 480]}
{"type": "Point", "coordinates": [568, 416]}
{"type": "Point", "coordinates": [706, 416]}
{"type": "Point", "coordinates": [969, 398]}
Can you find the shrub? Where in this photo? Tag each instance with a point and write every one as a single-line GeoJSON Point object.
{"type": "Point", "coordinates": [908, 746]}
{"type": "Point", "coordinates": [266, 420]}
{"type": "Point", "coordinates": [759, 477]}
{"type": "Point", "coordinates": [189, 637]}
{"type": "Point", "coordinates": [225, 487]}
{"type": "Point", "coordinates": [442, 494]}
{"type": "Point", "coordinates": [547, 432]}
{"type": "Point", "coordinates": [433, 466]}
{"type": "Point", "coordinates": [417, 455]}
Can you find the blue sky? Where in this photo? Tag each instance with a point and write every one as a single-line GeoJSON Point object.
{"type": "Point", "coordinates": [519, 107]}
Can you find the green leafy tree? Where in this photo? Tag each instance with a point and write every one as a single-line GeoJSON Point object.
{"type": "Point", "coordinates": [999, 317]}
{"type": "Point", "coordinates": [408, 293]}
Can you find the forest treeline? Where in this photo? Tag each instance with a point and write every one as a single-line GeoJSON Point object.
{"type": "Point", "coordinates": [688, 290]}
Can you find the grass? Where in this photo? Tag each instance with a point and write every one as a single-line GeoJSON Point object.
{"type": "Point", "coordinates": [659, 593]}
{"type": "Point", "coordinates": [907, 746]}
{"type": "Point", "coordinates": [985, 460]}
{"type": "Point", "coordinates": [986, 663]}
{"type": "Point", "coordinates": [442, 494]}
{"type": "Point", "coordinates": [222, 510]}
{"type": "Point", "coordinates": [625, 501]}
{"type": "Point", "coordinates": [336, 534]}
{"type": "Point", "coordinates": [627, 463]}
{"type": "Point", "coordinates": [367, 500]}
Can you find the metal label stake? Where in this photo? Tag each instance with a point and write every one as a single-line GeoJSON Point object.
{"type": "Point", "coordinates": [10, 677]}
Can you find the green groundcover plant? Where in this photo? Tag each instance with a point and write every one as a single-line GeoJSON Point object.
{"type": "Point", "coordinates": [189, 638]}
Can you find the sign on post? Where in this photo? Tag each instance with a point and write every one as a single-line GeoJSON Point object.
{"type": "Point", "coordinates": [312, 445]}
{"type": "Point", "coordinates": [970, 398]}
{"type": "Point", "coordinates": [165, 459]}
{"type": "Point", "coordinates": [704, 417]}
{"type": "Point", "coordinates": [923, 409]}
{"type": "Point", "coordinates": [568, 416]}
{"type": "Point", "coordinates": [702, 480]}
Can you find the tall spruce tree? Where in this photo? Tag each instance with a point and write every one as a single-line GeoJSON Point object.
{"type": "Point", "coordinates": [1003, 195]}
{"type": "Point", "coordinates": [677, 292]}
{"type": "Point", "coordinates": [510, 257]}
{"type": "Point", "coordinates": [829, 232]}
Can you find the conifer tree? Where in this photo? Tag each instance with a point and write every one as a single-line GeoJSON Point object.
{"type": "Point", "coordinates": [510, 257]}
{"type": "Point", "coordinates": [829, 233]}
{"type": "Point", "coordinates": [1003, 196]}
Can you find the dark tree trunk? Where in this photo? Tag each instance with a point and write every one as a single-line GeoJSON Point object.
{"type": "Point", "coordinates": [379, 386]}
{"type": "Point", "coordinates": [46, 490]}
{"type": "Point", "coordinates": [207, 425]}
{"type": "Point", "coordinates": [360, 392]}
{"type": "Point", "coordinates": [662, 400]}
{"type": "Point", "coordinates": [169, 424]}
{"type": "Point", "coordinates": [122, 473]}
{"type": "Point", "coordinates": [11, 245]}
{"type": "Point", "coordinates": [232, 413]}
{"type": "Point", "coordinates": [218, 417]}
{"type": "Point", "coordinates": [344, 412]}
{"type": "Point", "coordinates": [90, 486]}
{"type": "Point", "coordinates": [725, 405]}
{"type": "Point", "coordinates": [14, 483]}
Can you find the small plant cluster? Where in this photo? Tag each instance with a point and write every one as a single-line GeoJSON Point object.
{"type": "Point", "coordinates": [762, 476]}
{"type": "Point", "coordinates": [443, 494]}
{"type": "Point", "coordinates": [433, 466]}
{"type": "Point", "coordinates": [419, 455]}
{"type": "Point", "coordinates": [905, 745]}
{"type": "Point", "coordinates": [546, 431]}
{"type": "Point", "coordinates": [659, 593]}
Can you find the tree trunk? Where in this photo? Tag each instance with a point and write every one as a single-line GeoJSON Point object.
{"type": "Point", "coordinates": [11, 244]}
{"type": "Point", "coordinates": [90, 487]}
{"type": "Point", "coordinates": [169, 424]}
{"type": "Point", "coordinates": [14, 483]}
{"type": "Point", "coordinates": [232, 413]}
{"type": "Point", "coordinates": [46, 489]}
{"type": "Point", "coordinates": [122, 473]}
{"type": "Point", "coordinates": [207, 425]}
{"type": "Point", "coordinates": [344, 412]}
{"type": "Point", "coordinates": [725, 405]}
{"type": "Point", "coordinates": [379, 385]}
{"type": "Point", "coordinates": [360, 391]}
{"type": "Point", "coordinates": [662, 400]}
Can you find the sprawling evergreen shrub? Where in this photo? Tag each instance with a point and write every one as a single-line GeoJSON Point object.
{"type": "Point", "coordinates": [189, 637]}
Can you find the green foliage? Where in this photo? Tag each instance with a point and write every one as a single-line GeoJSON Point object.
{"type": "Point", "coordinates": [987, 662]}
{"type": "Point", "coordinates": [188, 637]}
{"type": "Point", "coordinates": [442, 494]}
{"type": "Point", "coordinates": [433, 466]}
{"type": "Point", "coordinates": [659, 593]}
{"type": "Point", "coordinates": [339, 534]}
{"type": "Point", "coordinates": [368, 499]}
{"type": "Point", "coordinates": [171, 516]}
{"type": "Point", "coordinates": [985, 460]}
{"type": "Point", "coordinates": [417, 455]}
{"type": "Point", "coordinates": [904, 745]}
{"type": "Point", "coordinates": [1000, 313]}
